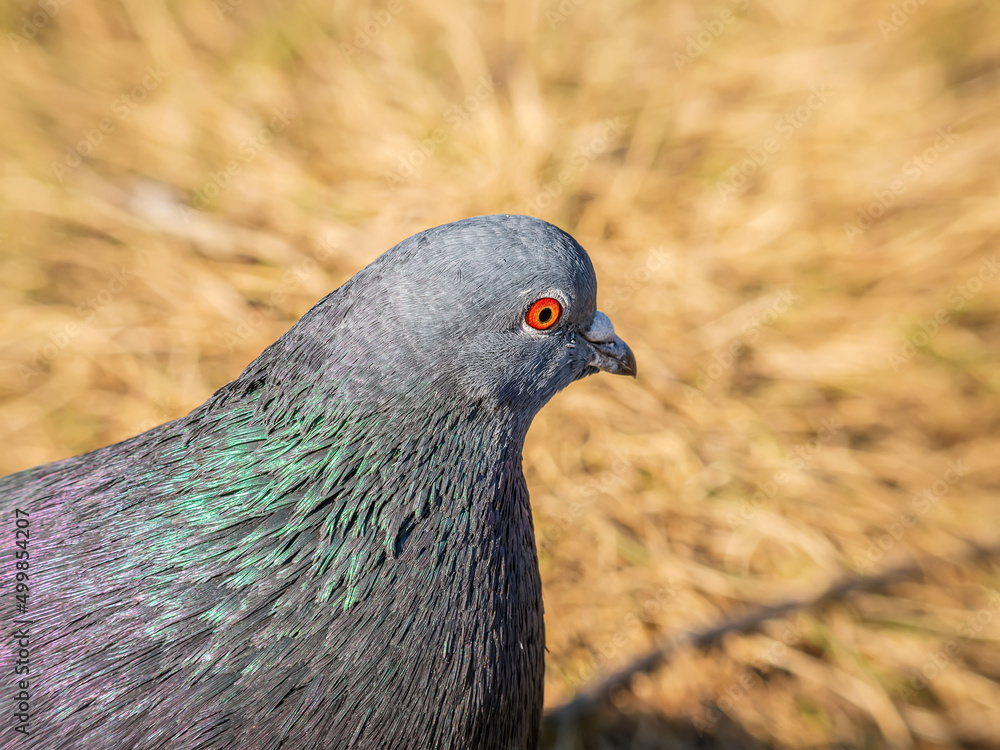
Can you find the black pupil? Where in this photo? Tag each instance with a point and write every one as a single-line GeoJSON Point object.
{"type": "Point", "coordinates": [545, 315]}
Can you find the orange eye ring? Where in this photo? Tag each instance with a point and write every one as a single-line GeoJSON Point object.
{"type": "Point", "coordinates": [543, 314]}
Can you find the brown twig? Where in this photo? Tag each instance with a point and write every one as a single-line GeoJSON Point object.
{"type": "Point", "coordinates": [589, 698]}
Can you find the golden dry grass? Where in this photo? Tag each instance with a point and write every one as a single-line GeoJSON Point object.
{"type": "Point", "coordinates": [713, 484]}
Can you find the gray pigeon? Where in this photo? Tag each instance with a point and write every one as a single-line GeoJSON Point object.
{"type": "Point", "coordinates": [336, 549]}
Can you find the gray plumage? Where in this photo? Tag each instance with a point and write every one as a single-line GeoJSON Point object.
{"type": "Point", "coordinates": [336, 549]}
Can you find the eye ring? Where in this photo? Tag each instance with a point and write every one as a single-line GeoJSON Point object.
{"type": "Point", "coordinates": [543, 313]}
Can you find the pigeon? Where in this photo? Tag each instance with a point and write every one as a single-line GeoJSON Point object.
{"type": "Point", "coordinates": [336, 549]}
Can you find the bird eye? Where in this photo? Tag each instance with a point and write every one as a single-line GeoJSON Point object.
{"type": "Point", "coordinates": [543, 314]}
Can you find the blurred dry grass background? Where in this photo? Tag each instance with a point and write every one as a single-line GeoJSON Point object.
{"type": "Point", "coordinates": [801, 382]}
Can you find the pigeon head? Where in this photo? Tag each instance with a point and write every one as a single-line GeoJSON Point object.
{"type": "Point", "coordinates": [497, 311]}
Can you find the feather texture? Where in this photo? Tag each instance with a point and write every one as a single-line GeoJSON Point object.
{"type": "Point", "coordinates": [336, 549]}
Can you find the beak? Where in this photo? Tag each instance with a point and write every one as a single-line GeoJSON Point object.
{"type": "Point", "coordinates": [611, 354]}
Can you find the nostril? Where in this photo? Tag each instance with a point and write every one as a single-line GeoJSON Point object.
{"type": "Point", "coordinates": [601, 328]}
